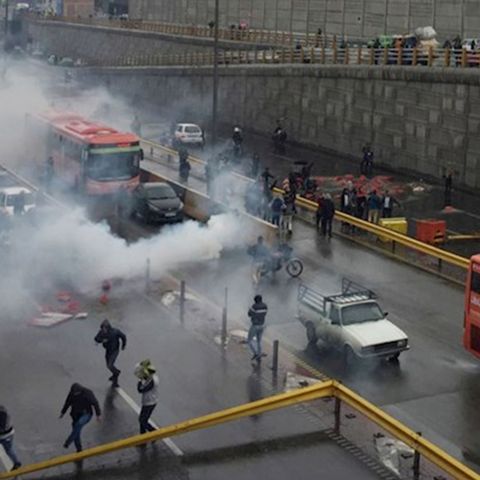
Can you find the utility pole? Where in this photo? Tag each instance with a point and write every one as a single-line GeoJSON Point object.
{"type": "Point", "coordinates": [215, 75]}
{"type": "Point", "coordinates": [6, 19]}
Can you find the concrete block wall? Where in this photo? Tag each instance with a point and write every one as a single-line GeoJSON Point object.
{"type": "Point", "coordinates": [416, 120]}
{"type": "Point", "coordinates": [355, 19]}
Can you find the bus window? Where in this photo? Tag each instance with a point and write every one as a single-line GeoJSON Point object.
{"type": "Point", "coordinates": [475, 282]}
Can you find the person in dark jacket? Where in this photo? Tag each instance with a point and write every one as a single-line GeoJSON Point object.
{"type": "Point", "coordinates": [257, 314]}
{"type": "Point", "coordinates": [7, 433]}
{"type": "Point", "coordinates": [111, 338]}
{"type": "Point", "coordinates": [327, 214]}
{"type": "Point", "coordinates": [276, 208]}
{"type": "Point", "coordinates": [388, 203]}
{"type": "Point", "coordinates": [184, 170]}
{"type": "Point", "coordinates": [82, 402]}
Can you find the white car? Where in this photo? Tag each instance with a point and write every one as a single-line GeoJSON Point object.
{"type": "Point", "coordinates": [351, 321]}
{"type": "Point", "coordinates": [9, 196]}
{"type": "Point", "coordinates": [188, 134]}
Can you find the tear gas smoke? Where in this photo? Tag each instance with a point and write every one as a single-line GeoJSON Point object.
{"type": "Point", "coordinates": [66, 247]}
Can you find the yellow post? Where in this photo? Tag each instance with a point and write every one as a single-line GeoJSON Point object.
{"type": "Point", "coordinates": [346, 59]}
{"type": "Point", "coordinates": [415, 56]}
{"type": "Point", "coordinates": [291, 55]}
{"type": "Point", "coordinates": [430, 56]}
{"type": "Point", "coordinates": [447, 53]}
{"type": "Point", "coordinates": [399, 55]}
{"type": "Point", "coordinates": [464, 57]}
{"type": "Point", "coordinates": [359, 55]}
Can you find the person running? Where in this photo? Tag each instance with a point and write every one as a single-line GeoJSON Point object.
{"type": "Point", "coordinates": [111, 338]}
{"type": "Point", "coordinates": [147, 386]}
{"type": "Point", "coordinates": [82, 402]}
{"type": "Point", "coordinates": [7, 434]}
{"type": "Point", "coordinates": [257, 314]}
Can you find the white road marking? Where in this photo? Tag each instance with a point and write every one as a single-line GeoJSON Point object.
{"type": "Point", "coordinates": [7, 463]}
{"type": "Point", "coordinates": [136, 408]}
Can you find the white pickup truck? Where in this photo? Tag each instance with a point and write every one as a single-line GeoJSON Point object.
{"type": "Point", "coordinates": [350, 321]}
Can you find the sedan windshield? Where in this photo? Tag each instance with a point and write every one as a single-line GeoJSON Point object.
{"type": "Point", "coordinates": [160, 193]}
{"type": "Point", "coordinates": [113, 166]}
{"type": "Point", "coordinates": [364, 312]}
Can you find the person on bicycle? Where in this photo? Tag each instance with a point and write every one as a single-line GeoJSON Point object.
{"type": "Point", "coordinates": [261, 258]}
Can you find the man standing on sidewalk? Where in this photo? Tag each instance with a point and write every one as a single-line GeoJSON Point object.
{"type": "Point", "coordinates": [81, 402]}
{"type": "Point", "coordinates": [6, 437]}
{"type": "Point", "coordinates": [257, 314]}
{"type": "Point", "coordinates": [110, 338]}
{"type": "Point", "coordinates": [147, 386]}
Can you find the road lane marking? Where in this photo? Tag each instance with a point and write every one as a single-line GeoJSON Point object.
{"type": "Point", "coordinates": [136, 408]}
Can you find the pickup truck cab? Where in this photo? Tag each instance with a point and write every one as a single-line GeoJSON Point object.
{"type": "Point", "coordinates": [351, 322]}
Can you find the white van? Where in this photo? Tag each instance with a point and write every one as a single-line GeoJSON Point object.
{"type": "Point", "coordinates": [9, 196]}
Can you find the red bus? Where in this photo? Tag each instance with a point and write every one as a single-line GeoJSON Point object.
{"type": "Point", "coordinates": [471, 336]}
{"type": "Point", "coordinates": [90, 157]}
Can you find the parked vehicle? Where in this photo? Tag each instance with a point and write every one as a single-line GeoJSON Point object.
{"type": "Point", "coordinates": [9, 196]}
{"type": "Point", "coordinates": [157, 202]}
{"type": "Point", "coordinates": [188, 134]}
{"type": "Point", "coordinates": [351, 322]}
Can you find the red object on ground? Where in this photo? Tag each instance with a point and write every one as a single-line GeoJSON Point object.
{"type": "Point", "coordinates": [431, 231]}
{"type": "Point", "coordinates": [104, 299]}
{"type": "Point", "coordinates": [64, 296]}
{"type": "Point", "coordinates": [72, 307]}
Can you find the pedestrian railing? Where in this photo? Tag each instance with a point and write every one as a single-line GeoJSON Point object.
{"type": "Point", "coordinates": [344, 400]}
{"type": "Point", "coordinates": [243, 35]}
{"type": "Point", "coordinates": [322, 55]}
{"type": "Point", "coordinates": [400, 246]}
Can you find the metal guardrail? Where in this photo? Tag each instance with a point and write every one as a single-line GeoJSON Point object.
{"type": "Point", "coordinates": [329, 388]}
{"type": "Point", "coordinates": [395, 237]}
{"type": "Point", "coordinates": [332, 55]}
{"type": "Point", "coordinates": [244, 35]}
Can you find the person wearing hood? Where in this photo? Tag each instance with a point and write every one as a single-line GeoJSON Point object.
{"type": "Point", "coordinates": [7, 433]}
{"type": "Point", "coordinates": [147, 386]}
{"type": "Point", "coordinates": [111, 338]}
{"type": "Point", "coordinates": [82, 402]}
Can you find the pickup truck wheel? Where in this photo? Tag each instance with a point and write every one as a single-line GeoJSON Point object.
{"type": "Point", "coordinates": [394, 358]}
{"type": "Point", "coordinates": [311, 334]}
{"type": "Point", "coordinates": [349, 355]}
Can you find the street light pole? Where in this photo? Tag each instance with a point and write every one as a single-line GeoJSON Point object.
{"type": "Point", "coordinates": [6, 19]}
{"type": "Point", "coordinates": [215, 75]}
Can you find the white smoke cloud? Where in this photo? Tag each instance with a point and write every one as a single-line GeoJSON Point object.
{"type": "Point", "coordinates": [66, 247]}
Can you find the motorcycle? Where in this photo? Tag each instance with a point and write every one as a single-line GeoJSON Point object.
{"type": "Point", "coordinates": [281, 258]}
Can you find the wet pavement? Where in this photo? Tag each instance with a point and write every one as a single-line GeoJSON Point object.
{"type": "Point", "coordinates": [195, 379]}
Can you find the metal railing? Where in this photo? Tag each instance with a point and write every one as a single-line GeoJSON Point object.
{"type": "Point", "coordinates": [332, 55]}
{"type": "Point", "coordinates": [327, 389]}
{"type": "Point", "coordinates": [245, 35]}
{"type": "Point", "coordinates": [164, 154]}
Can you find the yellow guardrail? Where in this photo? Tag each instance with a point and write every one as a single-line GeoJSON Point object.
{"type": "Point", "coordinates": [328, 388]}
{"type": "Point", "coordinates": [405, 240]}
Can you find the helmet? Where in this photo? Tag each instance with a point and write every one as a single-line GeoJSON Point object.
{"type": "Point", "coordinates": [236, 129]}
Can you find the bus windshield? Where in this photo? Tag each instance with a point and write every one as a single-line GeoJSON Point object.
{"type": "Point", "coordinates": [113, 166]}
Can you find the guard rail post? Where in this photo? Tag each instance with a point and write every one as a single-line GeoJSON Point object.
{"type": "Point", "coordinates": [400, 55]}
{"type": "Point", "coordinates": [323, 54]}
{"type": "Point", "coordinates": [416, 463]}
{"type": "Point", "coordinates": [182, 301]}
{"type": "Point", "coordinates": [224, 320]}
{"type": "Point", "coordinates": [359, 55]}
{"type": "Point", "coordinates": [446, 57]}
{"type": "Point", "coordinates": [337, 413]}
{"type": "Point", "coordinates": [371, 60]}
{"type": "Point", "coordinates": [430, 56]}
{"type": "Point", "coordinates": [346, 55]}
{"type": "Point", "coordinates": [415, 57]}
{"type": "Point", "coordinates": [147, 277]}
{"type": "Point", "coordinates": [385, 55]}
{"type": "Point", "coordinates": [464, 57]}
{"type": "Point", "coordinates": [276, 344]}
